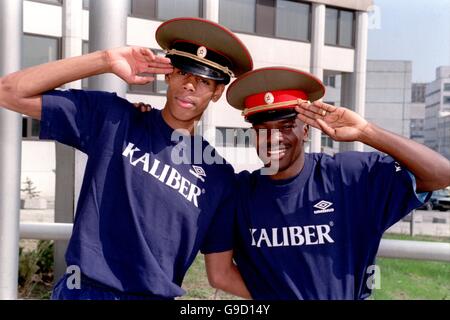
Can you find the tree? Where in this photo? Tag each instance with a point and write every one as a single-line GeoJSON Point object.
{"type": "Point", "coordinates": [30, 189]}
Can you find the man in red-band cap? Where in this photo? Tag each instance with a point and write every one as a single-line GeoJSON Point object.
{"type": "Point", "coordinates": [311, 227]}
{"type": "Point", "coordinates": [142, 217]}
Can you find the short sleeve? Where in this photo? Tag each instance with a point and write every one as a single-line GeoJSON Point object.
{"type": "Point", "coordinates": [74, 117]}
{"type": "Point", "coordinates": [219, 237]}
{"type": "Point", "coordinates": [390, 191]}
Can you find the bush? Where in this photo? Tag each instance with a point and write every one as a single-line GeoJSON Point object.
{"type": "Point", "coordinates": [36, 270]}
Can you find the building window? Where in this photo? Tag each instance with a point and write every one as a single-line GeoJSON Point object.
{"type": "Point", "coordinates": [30, 128]}
{"type": "Point", "coordinates": [330, 81]}
{"type": "Point", "coordinates": [327, 141]}
{"type": "Point", "coordinates": [446, 86]}
{"type": "Point", "coordinates": [339, 27]}
{"type": "Point", "coordinates": [167, 9]}
{"type": "Point", "coordinates": [281, 18]}
{"type": "Point", "coordinates": [418, 92]}
{"type": "Point", "coordinates": [235, 137]}
{"type": "Point", "coordinates": [238, 15]}
{"type": "Point", "coordinates": [446, 99]}
{"type": "Point", "coordinates": [86, 4]}
{"type": "Point", "coordinates": [55, 2]}
{"type": "Point", "coordinates": [293, 20]}
{"type": "Point", "coordinates": [40, 49]}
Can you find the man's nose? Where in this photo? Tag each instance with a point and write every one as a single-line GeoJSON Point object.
{"type": "Point", "coordinates": [190, 82]}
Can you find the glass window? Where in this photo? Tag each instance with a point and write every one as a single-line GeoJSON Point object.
{"type": "Point", "coordinates": [57, 2]}
{"type": "Point", "coordinates": [446, 99]}
{"type": "Point", "coordinates": [326, 141]}
{"type": "Point", "coordinates": [39, 50]}
{"type": "Point", "coordinates": [238, 15]}
{"type": "Point", "coordinates": [446, 86]}
{"type": "Point", "coordinates": [345, 28]}
{"type": "Point", "coordinates": [339, 27]}
{"type": "Point", "coordinates": [169, 9]}
{"type": "Point", "coordinates": [86, 4]}
{"type": "Point", "coordinates": [331, 25]}
{"type": "Point", "coordinates": [330, 81]}
{"type": "Point", "coordinates": [265, 17]}
{"type": "Point", "coordinates": [292, 20]}
{"type": "Point", "coordinates": [30, 128]}
{"type": "Point", "coordinates": [143, 8]}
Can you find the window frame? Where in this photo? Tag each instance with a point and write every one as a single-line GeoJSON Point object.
{"type": "Point", "coordinates": [338, 45]}
{"type": "Point", "coordinates": [59, 40]}
{"type": "Point", "coordinates": [27, 126]}
{"type": "Point", "coordinates": [273, 36]}
{"type": "Point", "coordinates": [155, 17]}
{"type": "Point", "coordinates": [50, 2]}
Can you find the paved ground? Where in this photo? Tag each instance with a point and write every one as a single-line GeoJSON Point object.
{"type": "Point", "coordinates": [433, 223]}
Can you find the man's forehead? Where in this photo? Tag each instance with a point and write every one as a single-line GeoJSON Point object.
{"type": "Point", "coordinates": [275, 123]}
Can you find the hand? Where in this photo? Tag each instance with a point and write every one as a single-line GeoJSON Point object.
{"type": "Point", "coordinates": [341, 124]}
{"type": "Point", "coordinates": [143, 107]}
{"type": "Point", "coordinates": [130, 63]}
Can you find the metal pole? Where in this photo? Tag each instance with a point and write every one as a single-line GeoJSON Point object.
{"type": "Point", "coordinates": [65, 156]}
{"type": "Point", "coordinates": [417, 250]}
{"type": "Point", "coordinates": [10, 152]}
{"type": "Point", "coordinates": [108, 29]}
{"type": "Point", "coordinates": [317, 47]}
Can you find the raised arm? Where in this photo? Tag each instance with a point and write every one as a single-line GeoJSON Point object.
{"type": "Point", "coordinates": [431, 170]}
{"type": "Point", "coordinates": [224, 275]}
{"type": "Point", "coordinates": [22, 91]}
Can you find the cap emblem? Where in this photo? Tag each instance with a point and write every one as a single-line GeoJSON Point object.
{"type": "Point", "coordinates": [201, 52]}
{"type": "Point", "coordinates": [269, 98]}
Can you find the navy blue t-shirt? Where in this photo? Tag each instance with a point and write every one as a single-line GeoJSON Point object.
{"type": "Point", "coordinates": [143, 214]}
{"type": "Point", "coordinates": [316, 236]}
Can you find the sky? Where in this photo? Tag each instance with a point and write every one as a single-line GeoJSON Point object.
{"type": "Point", "coordinates": [415, 30]}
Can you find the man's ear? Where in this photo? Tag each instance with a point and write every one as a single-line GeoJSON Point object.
{"type": "Point", "coordinates": [305, 132]}
{"type": "Point", "coordinates": [218, 92]}
{"type": "Point", "coordinates": [166, 78]}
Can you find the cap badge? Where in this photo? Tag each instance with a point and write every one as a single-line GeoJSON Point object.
{"type": "Point", "coordinates": [201, 52]}
{"type": "Point", "coordinates": [269, 98]}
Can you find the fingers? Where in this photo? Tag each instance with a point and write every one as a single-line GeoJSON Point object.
{"type": "Point", "coordinates": [158, 70]}
{"type": "Point", "coordinates": [143, 107]}
{"type": "Point", "coordinates": [141, 80]}
{"type": "Point", "coordinates": [305, 111]}
{"type": "Point", "coordinates": [317, 109]}
{"type": "Point", "coordinates": [147, 53]}
{"type": "Point", "coordinates": [308, 120]}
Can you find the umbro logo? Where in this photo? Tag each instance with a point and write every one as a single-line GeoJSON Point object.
{"type": "Point", "coordinates": [398, 167]}
{"type": "Point", "coordinates": [324, 207]}
{"type": "Point", "coordinates": [198, 172]}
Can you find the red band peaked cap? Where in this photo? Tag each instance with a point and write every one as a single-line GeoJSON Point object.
{"type": "Point", "coordinates": [268, 86]}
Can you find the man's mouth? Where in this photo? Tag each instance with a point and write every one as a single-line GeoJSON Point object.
{"type": "Point", "coordinates": [277, 151]}
{"type": "Point", "coordinates": [186, 103]}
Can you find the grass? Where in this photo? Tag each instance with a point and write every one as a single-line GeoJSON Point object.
{"type": "Point", "coordinates": [413, 279]}
{"type": "Point", "coordinates": [397, 236]}
{"type": "Point", "coordinates": [196, 284]}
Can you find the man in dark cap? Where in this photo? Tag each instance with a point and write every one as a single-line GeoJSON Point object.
{"type": "Point", "coordinates": [141, 217]}
{"type": "Point", "coordinates": [311, 228]}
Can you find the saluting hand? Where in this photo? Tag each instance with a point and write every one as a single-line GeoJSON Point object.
{"type": "Point", "coordinates": [133, 64]}
{"type": "Point", "coordinates": [341, 124]}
